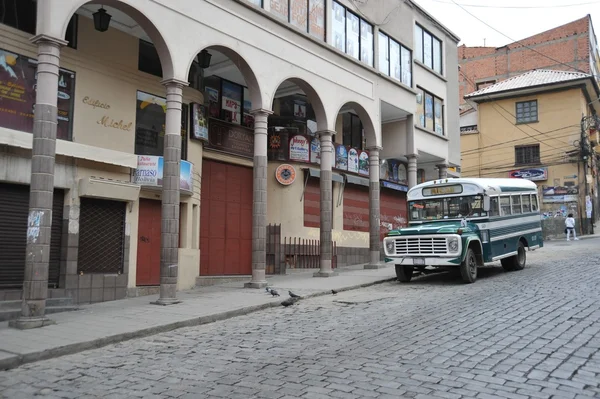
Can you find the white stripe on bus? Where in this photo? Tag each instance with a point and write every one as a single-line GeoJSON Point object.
{"type": "Point", "coordinates": [505, 236]}
{"type": "Point", "coordinates": [509, 222]}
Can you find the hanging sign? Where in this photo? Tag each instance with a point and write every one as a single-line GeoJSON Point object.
{"type": "Point", "coordinates": [299, 148]}
{"type": "Point", "coordinates": [363, 163]}
{"type": "Point", "coordinates": [341, 157]}
{"type": "Point", "coordinates": [315, 151]}
{"type": "Point", "coordinates": [352, 160]}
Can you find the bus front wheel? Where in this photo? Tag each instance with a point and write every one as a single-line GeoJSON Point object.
{"type": "Point", "coordinates": [404, 273]}
{"type": "Point", "coordinates": [516, 262]}
{"type": "Point", "coordinates": [468, 268]}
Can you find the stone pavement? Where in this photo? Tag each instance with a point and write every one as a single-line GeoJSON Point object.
{"type": "Point", "coordinates": [100, 324]}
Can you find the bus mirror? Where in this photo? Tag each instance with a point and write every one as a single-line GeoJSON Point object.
{"type": "Point", "coordinates": [486, 203]}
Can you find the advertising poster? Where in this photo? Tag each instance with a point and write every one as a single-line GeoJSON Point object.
{"type": "Point", "coordinates": [200, 122]}
{"type": "Point", "coordinates": [232, 102]}
{"type": "Point", "coordinates": [341, 157]}
{"type": "Point", "coordinates": [533, 174]}
{"type": "Point", "coordinates": [363, 163]}
{"type": "Point", "coordinates": [352, 160]}
{"type": "Point", "coordinates": [315, 151]}
{"type": "Point", "coordinates": [299, 148]}
{"type": "Point", "coordinates": [149, 172]}
{"type": "Point", "coordinates": [299, 110]}
{"type": "Point", "coordinates": [559, 194]}
{"type": "Point", "coordinates": [18, 78]}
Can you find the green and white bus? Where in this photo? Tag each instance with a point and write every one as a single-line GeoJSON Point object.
{"type": "Point", "coordinates": [464, 223]}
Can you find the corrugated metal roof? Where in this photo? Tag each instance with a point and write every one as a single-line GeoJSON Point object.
{"type": "Point", "coordinates": [533, 78]}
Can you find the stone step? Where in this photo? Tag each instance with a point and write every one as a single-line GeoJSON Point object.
{"type": "Point", "coordinates": [50, 302]}
{"type": "Point", "coordinates": [11, 314]}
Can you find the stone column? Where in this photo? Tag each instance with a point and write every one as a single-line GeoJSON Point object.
{"type": "Point", "coordinates": [259, 200]}
{"type": "Point", "coordinates": [169, 234]}
{"type": "Point", "coordinates": [35, 283]}
{"type": "Point", "coordinates": [412, 170]}
{"type": "Point", "coordinates": [442, 171]}
{"type": "Point", "coordinates": [374, 210]}
{"type": "Point", "coordinates": [327, 159]}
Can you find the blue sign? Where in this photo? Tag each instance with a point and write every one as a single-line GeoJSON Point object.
{"type": "Point", "coordinates": [394, 186]}
{"type": "Point", "coordinates": [533, 174]}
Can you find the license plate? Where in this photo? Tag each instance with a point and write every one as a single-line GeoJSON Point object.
{"type": "Point", "coordinates": [418, 261]}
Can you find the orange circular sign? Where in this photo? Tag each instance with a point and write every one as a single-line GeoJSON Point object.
{"type": "Point", "coordinates": [285, 174]}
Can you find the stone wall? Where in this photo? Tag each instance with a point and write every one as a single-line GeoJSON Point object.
{"type": "Point", "coordinates": [554, 228]}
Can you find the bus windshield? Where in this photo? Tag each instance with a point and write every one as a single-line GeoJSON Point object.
{"type": "Point", "coordinates": [446, 208]}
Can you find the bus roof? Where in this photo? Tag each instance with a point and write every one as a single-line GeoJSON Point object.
{"type": "Point", "coordinates": [489, 185]}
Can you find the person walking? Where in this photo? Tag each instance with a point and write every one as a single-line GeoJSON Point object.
{"type": "Point", "coordinates": [570, 227]}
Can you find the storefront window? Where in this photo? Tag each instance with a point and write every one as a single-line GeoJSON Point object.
{"type": "Point", "coordinates": [18, 75]}
{"type": "Point", "coordinates": [150, 125]}
{"type": "Point", "coordinates": [352, 34]}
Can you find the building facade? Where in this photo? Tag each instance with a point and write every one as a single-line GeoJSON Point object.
{"type": "Point", "coordinates": [572, 46]}
{"type": "Point", "coordinates": [168, 135]}
{"type": "Point", "coordinates": [541, 126]}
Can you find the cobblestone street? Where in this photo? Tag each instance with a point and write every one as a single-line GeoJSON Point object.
{"type": "Point", "coordinates": [533, 333]}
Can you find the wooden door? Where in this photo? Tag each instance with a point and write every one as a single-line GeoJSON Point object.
{"type": "Point", "coordinates": [225, 220]}
{"type": "Point", "coordinates": [148, 250]}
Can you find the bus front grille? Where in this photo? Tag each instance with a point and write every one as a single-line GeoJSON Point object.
{"type": "Point", "coordinates": [421, 246]}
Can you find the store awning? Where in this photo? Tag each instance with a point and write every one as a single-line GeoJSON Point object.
{"type": "Point", "coordinates": [357, 180]}
{"type": "Point", "coordinates": [394, 186]}
{"type": "Point", "coordinates": [312, 172]}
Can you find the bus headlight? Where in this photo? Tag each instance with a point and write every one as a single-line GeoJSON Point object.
{"type": "Point", "coordinates": [485, 235]}
{"type": "Point", "coordinates": [390, 246]}
{"type": "Point", "coordinates": [453, 244]}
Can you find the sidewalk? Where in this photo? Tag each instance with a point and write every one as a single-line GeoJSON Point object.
{"type": "Point", "coordinates": [105, 323]}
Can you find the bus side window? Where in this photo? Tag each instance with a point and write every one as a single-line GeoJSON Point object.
{"type": "Point", "coordinates": [516, 204]}
{"type": "Point", "coordinates": [534, 202]}
{"type": "Point", "coordinates": [494, 206]}
{"type": "Point", "coordinates": [526, 200]}
{"type": "Point", "coordinates": [505, 206]}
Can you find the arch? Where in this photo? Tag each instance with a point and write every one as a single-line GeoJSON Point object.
{"type": "Point", "coordinates": [367, 121]}
{"type": "Point", "coordinates": [164, 54]}
{"type": "Point", "coordinates": [247, 72]}
{"type": "Point", "coordinates": [313, 97]}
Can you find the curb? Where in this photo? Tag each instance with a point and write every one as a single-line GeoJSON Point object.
{"type": "Point", "coordinates": [18, 360]}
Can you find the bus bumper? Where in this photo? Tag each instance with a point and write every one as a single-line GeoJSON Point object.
{"type": "Point", "coordinates": [424, 261]}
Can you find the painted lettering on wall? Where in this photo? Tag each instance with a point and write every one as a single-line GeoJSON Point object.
{"type": "Point", "coordinates": [95, 103]}
{"type": "Point", "coordinates": [111, 123]}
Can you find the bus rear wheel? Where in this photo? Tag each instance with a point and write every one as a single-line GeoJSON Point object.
{"type": "Point", "coordinates": [516, 262]}
{"type": "Point", "coordinates": [468, 268]}
{"type": "Point", "coordinates": [404, 273]}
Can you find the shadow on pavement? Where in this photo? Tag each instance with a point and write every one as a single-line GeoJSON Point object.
{"type": "Point", "coordinates": [453, 277]}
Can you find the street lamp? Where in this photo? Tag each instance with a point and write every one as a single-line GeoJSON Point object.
{"type": "Point", "coordinates": [204, 59]}
{"type": "Point", "coordinates": [101, 20]}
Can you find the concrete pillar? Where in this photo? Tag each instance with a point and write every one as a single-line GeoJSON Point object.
{"type": "Point", "coordinates": [169, 235]}
{"type": "Point", "coordinates": [374, 210]}
{"type": "Point", "coordinates": [35, 283]}
{"type": "Point", "coordinates": [412, 170]}
{"type": "Point", "coordinates": [259, 200]}
{"type": "Point", "coordinates": [442, 171]}
{"type": "Point", "coordinates": [327, 159]}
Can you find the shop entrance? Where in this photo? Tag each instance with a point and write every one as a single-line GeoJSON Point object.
{"type": "Point", "coordinates": [225, 220]}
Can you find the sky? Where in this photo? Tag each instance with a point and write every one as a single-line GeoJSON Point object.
{"type": "Point", "coordinates": [516, 19]}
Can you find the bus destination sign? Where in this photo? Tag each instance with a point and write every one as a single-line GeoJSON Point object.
{"type": "Point", "coordinates": [442, 190]}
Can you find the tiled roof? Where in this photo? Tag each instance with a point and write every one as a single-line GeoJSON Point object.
{"type": "Point", "coordinates": [537, 77]}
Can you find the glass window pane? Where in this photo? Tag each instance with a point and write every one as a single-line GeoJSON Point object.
{"type": "Point", "coordinates": [356, 132]}
{"type": "Point", "coordinates": [366, 43]}
{"type": "Point", "coordinates": [384, 57]}
{"type": "Point", "coordinates": [505, 206]}
{"type": "Point", "coordinates": [256, 2]}
{"type": "Point", "coordinates": [394, 60]}
{"type": "Point", "coordinates": [280, 8]}
{"type": "Point", "coordinates": [494, 206]}
{"type": "Point", "coordinates": [526, 200]}
{"type": "Point", "coordinates": [352, 35]}
{"type": "Point", "coordinates": [347, 129]}
{"type": "Point", "coordinates": [427, 50]}
{"type": "Point", "coordinates": [516, 204]}
{"type": "Point", "coordinates": [420, 108]}
{"type": "Point", "coordinates": [534, 203]}
{"type": "Point", "coordinates": [299, 14]}
{"type": "Point", "coordinates": [316, 17]}
{"type": "Point", "coordinates": [437, 55]}
{"type": "Point", "coordinates": [418, 43]}
{"type": "Point", "coordinates": [428, 111]}
{"type": "Point", "coordinates": [406, 67]}
{"type": "Point", "coordinates": [438, 111]}
{"type": "Point", "coordinates": [339, 26]}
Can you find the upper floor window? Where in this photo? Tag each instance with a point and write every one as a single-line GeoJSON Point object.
{"type": "Point", "coordinates": [428, 49]}
{"type": "Point", "coordinates": [430, 112]}
{"type": "Point", "coordinates": [527, 154]}
{"type": "Point", "coordinates": [308, 15]}
{"type": "Point", "coordinates": [394, 59]}
{"type": "Point", "coordinates": [484, 84]}
{"type": "Point", "coordinates": [352, 34]}
{"type": "Point", "coordinates": [527, 111]}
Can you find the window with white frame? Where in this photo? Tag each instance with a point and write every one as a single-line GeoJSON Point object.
{"type": "Point", "coordinates": [351, 34]}
{"type": "Point", "coordinates": [395, 60]}
{"type": "Point", "coordinates": [308, 15]}
{"type": "Point", "coordinates": [428, 49]}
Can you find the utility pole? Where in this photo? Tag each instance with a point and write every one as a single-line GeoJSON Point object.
{"type": "Point", "coordinates": [587, 122]}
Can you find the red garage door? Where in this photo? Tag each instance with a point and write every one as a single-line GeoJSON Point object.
{"type": "Point", "coordinates": [393, 212]}
{"type": "Point", "coordinates": [225, 220]}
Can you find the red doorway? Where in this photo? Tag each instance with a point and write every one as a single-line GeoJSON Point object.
{"type": "Point", "coordinates": [226, 220]}
{"type": "Point", "coordinates": [148, 250]}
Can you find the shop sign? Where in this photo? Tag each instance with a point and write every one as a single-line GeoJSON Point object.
{"type": "Point", "coordinates": [18, 84]}
{"type": "Point", "coordinates": [230, 138]}
{"type": "Point", "coordinates": [394, 186]}
{"type": "Point", "coordinates": [199, 122]}
{"type": "Point", "coordinates": [149, 172]}
{"type": "Point", "coordinates": [533, 174]}
{"type": "Point", "coordinates": [285, 174]}
{"type": "Point", "coordinates": [363, 163]}
{"type": "Point", "coordinates": [299, 148]}
{"type": "Point", "coordinates": [341, 157]}
{"type": "Point", "coordinates": [315, 151]}
{"type": "Point", "coordinates": [352, 160]}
